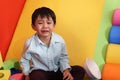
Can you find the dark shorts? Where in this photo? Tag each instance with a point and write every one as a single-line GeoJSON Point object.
{"type": "Point", "coordinates": [77, 72]}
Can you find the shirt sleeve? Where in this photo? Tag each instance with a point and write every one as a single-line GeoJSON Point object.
{"type": "Point", "coordinates": [64, 59]}
{"type": "Point", "coordinates": [25, 60]}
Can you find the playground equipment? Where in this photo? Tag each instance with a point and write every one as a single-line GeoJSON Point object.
{"type": "Point", "coordinates": [111, 68]}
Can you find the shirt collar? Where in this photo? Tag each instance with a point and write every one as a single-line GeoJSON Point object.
{"type": "Point", "coordinates": [38, 41]}
{"type": "Point", "coordinates": [54, 39]}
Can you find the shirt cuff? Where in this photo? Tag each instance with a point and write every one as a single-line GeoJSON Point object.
{"type": "Point", "coordinates": [64, 67]}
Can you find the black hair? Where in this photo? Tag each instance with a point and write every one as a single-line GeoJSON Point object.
{"type": "Point", "coordinates": [43, 12]}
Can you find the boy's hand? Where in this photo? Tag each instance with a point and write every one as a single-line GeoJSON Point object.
{"type": "Point", "coordinates": [67, 75]}
{"type": "Point", "coordinates": [27, 78]}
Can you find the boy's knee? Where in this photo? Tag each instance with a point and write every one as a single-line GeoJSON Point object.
{"type": "Point", "coordinates": [77, 68]}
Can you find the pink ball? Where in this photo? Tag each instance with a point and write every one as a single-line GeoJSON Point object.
{"type": "Point", "coordinates": [116, 17]}
{"type": "Point", "coordinates": [18, 76]}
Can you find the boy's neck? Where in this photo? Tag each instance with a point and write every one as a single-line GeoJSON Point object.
{"type": "Point", "coordinates": [46, 40]}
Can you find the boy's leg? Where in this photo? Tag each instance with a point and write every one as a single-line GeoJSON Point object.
{"type": "Point", "coordinates": [45, 75]}
{"type": "Point", "coordinates": [55, 75]}
{"type": "Point", "coordinates": [38, 75]}
{"type": "Point", "coordinates": [78, 72]}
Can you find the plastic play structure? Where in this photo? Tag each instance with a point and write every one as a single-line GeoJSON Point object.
{"type": "Point", "coordinates": [104, 57]}
{"type": "Point", "coordinates": [111, 68]}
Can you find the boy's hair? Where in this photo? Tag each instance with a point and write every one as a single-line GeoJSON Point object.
{"type": "Point", "coordinates": [43, 12]}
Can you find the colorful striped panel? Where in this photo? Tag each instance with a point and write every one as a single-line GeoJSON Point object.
{"type": "Point", "coordinates": [9, 15]}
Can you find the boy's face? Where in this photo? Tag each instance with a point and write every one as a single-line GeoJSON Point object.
{"type": "Point", "coordinates": [44, 26]}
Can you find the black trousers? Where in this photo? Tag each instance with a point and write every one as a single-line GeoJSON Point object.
{"type": "Point", "coordinates": [77, 72]}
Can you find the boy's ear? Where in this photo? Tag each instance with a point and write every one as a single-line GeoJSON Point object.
{"type": "Point", "coordinates": [33, 26]}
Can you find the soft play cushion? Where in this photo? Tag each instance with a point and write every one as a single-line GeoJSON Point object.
{"type": "Point", "coordinates": [113, 54]}
{"type": "Point", "coordinates": [5, 74]}
{"type": "Point", "coordinates": [111, 72]}
{"type": "Point", "coordinates": [114, 35]}
{"type": "Point", "coordinates": [11, 63]}
{"type": "Point", "coordinates": [116, 17]}
{"type": "Point", "coordinates": [18, 76]}
{"type": "Point", "coordinates": [92, 69]}
{"type": "Point", "coordinates": [14, 71]}
{"type": "Point", "coordinates": [1, 75]}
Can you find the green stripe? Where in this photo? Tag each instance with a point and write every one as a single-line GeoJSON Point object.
{"type": "Point", "coordinates": [102, 41]}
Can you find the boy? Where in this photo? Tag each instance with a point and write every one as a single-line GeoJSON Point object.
{"type": "Point", "coordinates": [47, 51]}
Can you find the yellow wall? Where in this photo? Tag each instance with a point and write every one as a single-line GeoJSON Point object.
{"type": "Point", "coordinates": [78, 22]}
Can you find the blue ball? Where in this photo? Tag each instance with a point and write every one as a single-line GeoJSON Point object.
{"type": "Point", "coordinates": [114, 36]}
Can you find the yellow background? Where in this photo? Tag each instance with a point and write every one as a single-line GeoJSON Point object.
{"type": "Point", "coordinates": [78, 21]}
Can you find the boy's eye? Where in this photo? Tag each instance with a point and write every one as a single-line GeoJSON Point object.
{"type": "Point", "coordinates": [40, 23]}
{"type": "Point", "coordinates": [48, 22]}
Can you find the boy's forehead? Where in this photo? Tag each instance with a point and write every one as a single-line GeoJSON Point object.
{"type": "Point", "coordinates": [45, 16]}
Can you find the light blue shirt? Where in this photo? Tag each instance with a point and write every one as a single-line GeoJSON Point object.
{"type": "Point", "coordinates": [46, 58]}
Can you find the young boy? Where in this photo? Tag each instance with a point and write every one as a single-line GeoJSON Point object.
{"type": "Point", "coordinates": [47, 51]}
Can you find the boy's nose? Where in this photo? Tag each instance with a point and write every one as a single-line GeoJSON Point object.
{"type": "Point", "coordinates": [45, 25]}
